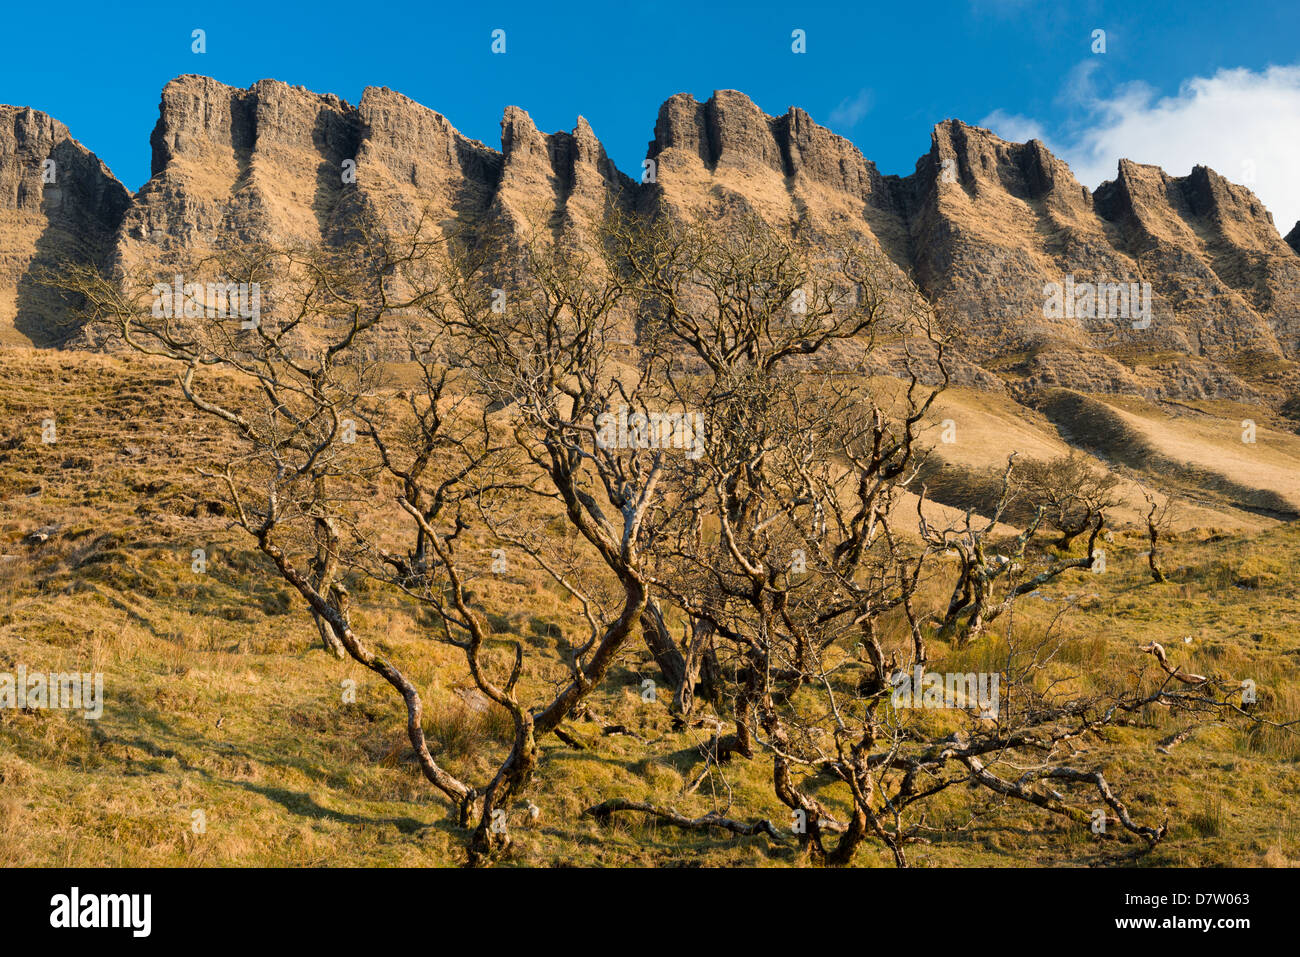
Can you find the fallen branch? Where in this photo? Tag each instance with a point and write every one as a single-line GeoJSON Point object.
{"type": "Point", "coordinates": [1174, 740]}
{"type": "Point", "coordinates": [569, 739]}
{"type": "Point", "coordinates": [1185, 677]}
{"type": "Point", "coordinates": [1055, 803]}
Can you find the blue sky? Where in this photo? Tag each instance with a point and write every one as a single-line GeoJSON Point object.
{"type": "Point", "coordinates": [879, 73]}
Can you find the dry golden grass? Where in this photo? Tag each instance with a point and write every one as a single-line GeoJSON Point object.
{"type": "Point", "coordinates": [219, 700]}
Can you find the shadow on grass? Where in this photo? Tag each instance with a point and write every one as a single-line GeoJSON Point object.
{"type": "Point", "coordinates": [303, 805]}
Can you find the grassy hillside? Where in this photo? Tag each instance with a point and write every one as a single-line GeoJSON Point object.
{"type": "Point", "coordinates": [220, 701]}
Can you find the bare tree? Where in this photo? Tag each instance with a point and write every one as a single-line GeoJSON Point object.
{"type": "Point", "coordinates": [991, 568]}
{"type": "Point", "coordinates": [1071, 492]}
{"type": "Point", "coordinates": [340, 471]}
{"type": "Point", "coordinates": [1159, 518]}
{"type": "Point", "coordinates": [798, 478]}
{"type": "Point", "coordinates": [789, 540]}
{"type": "Point", "coordinates": [741, 471]}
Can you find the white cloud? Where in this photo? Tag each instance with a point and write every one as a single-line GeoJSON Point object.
{"type": "Point", "coordinates": [1013, 126]}
{"type": "Point", "coordinates": [1079, 86]}
{"type": "Point", "coordinates": [851, 110]}
{"type": "Point", "coordinates": [1244, 125]}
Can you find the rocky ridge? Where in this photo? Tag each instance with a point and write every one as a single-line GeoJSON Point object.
{"type": "Point", "coordinates": [985, 226]}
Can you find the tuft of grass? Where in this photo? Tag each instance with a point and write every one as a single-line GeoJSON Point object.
{"type": "Point", "coordinates": [465, 728]}
{"type": "Point", "coordinates": [1211, 819]}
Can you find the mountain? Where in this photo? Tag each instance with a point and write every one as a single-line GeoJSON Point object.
{"type": "Point", "coordinates": [985, 226]}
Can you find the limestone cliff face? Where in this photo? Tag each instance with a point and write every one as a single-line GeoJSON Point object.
{"type": "Point", "coordinates": [280, 163]}
{"type": "Point", "coordinates": [786, 167]}
{"type": "Point", "coordinates": [58, 203]}
{"type": "Point", "coordinates": [991, 223]}
{"type": "Point", "coordinates": [985, 226]}
{"type": "Point", "coordinates": [234, 165]}
{"type": "Point", "coordinates": [1229, 280]}
{"type": "Point", "coordinates": [561, 181]}
{"type": "Point", "coordinates": [727, 153]}
{"type": "Point", "coordinates": [994, 223]}
{"type": "Point", "coordinates": [411, 159]}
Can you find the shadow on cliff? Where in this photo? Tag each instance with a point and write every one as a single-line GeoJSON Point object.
{"type": "Point", "coordinates": [82, 211]}
{"type": "Point", "coordinates": [337, 139]}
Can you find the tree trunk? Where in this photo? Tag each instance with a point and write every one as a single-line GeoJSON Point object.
{"type": "Point", "coordinates": [1157, 573]}
{"type": "Point", "coordinates": [328, 639]}
{"type": "Point", "coordinates": [672, 665]}
{"type": "Point", "coordinates": [701, 671]}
